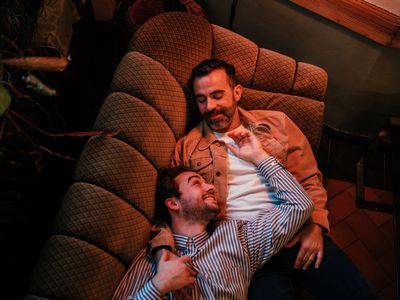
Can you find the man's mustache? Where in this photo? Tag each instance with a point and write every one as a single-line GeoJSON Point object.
{"type": "Point", "coordinates": [214, 112]}
{"type": "Point", "coordinates": [209, 193]}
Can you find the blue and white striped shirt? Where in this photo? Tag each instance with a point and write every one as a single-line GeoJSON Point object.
{"type": "Point", "coordinates": [226, 258]}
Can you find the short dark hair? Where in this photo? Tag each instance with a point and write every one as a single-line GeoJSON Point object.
{"type": "Point", "coordinates": [208, 65]}
{"type": "Point", "coordinates": [167, 187]}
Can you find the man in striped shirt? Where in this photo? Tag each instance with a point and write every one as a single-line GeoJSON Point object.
{"type": "Point", "coordinates": [216, 261]}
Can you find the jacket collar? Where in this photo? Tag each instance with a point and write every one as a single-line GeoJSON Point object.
{"type": "Point", "coordinates": [208, 137]}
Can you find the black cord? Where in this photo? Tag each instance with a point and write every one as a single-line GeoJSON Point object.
{"type": "Point", "coordinates": [233, 11]}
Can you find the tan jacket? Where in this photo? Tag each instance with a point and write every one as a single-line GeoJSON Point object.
{"type": "Point", "coordinates": [281, 138]}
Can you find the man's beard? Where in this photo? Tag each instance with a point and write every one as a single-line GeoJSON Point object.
{"type": "Point", "coordinates": [223, 123]}
{"type": "Point", "coordinates": [204, 212]}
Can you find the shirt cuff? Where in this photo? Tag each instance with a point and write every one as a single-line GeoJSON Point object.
{"type": "Point", "coordinates": [269, 166]}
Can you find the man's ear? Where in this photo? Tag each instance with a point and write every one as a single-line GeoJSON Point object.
{"type": "Point", "coordinates": [237, 92]}
{"type": "Point", "coordinates": [172, 203]}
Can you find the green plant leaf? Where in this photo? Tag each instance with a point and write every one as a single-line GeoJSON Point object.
{"type": "Point", "coordinates": [5, 99]}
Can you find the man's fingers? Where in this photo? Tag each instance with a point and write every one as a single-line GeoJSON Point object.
{"type": "Point", "coordinates": [164, 255]}
{"type": "Point", "coordinates": [192, 271]}
{"type": "Point", "coordinates": [233, 149]}
{"type": "Point", "coordinates": [239, 137]}
{"type": "Point", "coordinates": [318, 261]}
{"type": "Point", "coordinates": [185, 294]}
{"type": "Point", "coordinates": [177, 295]}
{"type": "Point", "coordinates": [233, 135]}
{"type": "Point", "coordinates": [185, 259]}
{"type": "Point", "coordinates": [308, 261]}
{"type": "Point", "coordinates": [300, 259]}
{"type": "Point", "coordinates": [192, 280]}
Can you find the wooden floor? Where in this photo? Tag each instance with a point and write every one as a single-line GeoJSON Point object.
{"type": "Point", "coordinates": [365, 236]}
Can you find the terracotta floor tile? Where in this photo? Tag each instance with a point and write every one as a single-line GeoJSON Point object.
{"type": "Point", "coordinates": [342, 234]}
{"type": "Point", "coordinates": [387, 261]}
{"type": "Point", "coordinates": [374, 274]}
{"type": "Point", "coordinates": [365, 235]}
{"type": "Point", "coordinates": [341, 206]}
{"type": "Point", "coordinates": [377, 195]}
{"type": "Point", "coordinates": [372, 194]}
{"type": "Point", "coordinates": [388, 293]}
{"type": "Point", "coordinates": [335, 187]}
{"type": "Point", "coordinates": [368, 233]}
{"type": "Point", "coordinates": [386, 197]}
{"type": "Point", "coordinates": [378, 217]}
{"type": "Point", "coordinates": [388, 230]}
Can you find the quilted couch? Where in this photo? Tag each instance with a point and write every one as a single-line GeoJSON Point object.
{"type": "Point", "coordinates": [106, 215]}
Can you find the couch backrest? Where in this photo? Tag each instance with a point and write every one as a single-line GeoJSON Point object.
{"type": "Point", "coordinates": [106, 216]}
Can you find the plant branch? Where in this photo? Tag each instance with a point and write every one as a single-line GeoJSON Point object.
{"type": "Point", "coordinates": [3, 125]}
{"type": "Point", "coordinates": [20, 95]}
{"type": "Point", "coordinates": [21, 131]}
{"type": "Point", "coordinates": [66, 134]}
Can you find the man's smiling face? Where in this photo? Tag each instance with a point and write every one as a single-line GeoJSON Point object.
{"type": "Point", "coordinates": [217, 100]}
{"type": "Point", "coordinates": [197, 198]}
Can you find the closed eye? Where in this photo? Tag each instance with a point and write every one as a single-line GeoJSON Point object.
{"type": "Point", "coordinates": [201, 99]}
{"type": "Point", "coordinates": [217, 95]}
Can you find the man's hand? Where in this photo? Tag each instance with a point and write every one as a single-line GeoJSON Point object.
{"type": "Point", "coordinates": [173, 273]}
{"type": "Point", "coordinates": [311, 246]}
{"type": "Point", "coordinates": [250, 148]}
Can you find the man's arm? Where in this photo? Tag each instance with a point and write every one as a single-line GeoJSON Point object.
{"type": "Point", "coordinates": [161, 238]}
{"type": "Point", "coordinates": [176, 159]}
{"type": "Point", "coordinates": [272, 229]}
{"type": "Point", "coordinates": [301, 163]}
{"type": "Point", "coordinates": [143, 281]}
{"type": "Point", "coordinates": [136, 281]}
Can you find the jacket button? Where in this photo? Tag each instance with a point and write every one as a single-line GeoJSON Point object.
{"type": "Point", "coordinates": [218, 173]}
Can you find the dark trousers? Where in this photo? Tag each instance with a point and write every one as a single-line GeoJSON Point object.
{"type": "Point", "coordinates": [337, 277]}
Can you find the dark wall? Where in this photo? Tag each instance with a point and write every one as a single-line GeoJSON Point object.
{"type": "Point", "coordinates": [364, 77]}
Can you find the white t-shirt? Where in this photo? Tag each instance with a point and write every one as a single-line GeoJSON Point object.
{"type": "Point", "coordinates": [248, 191]}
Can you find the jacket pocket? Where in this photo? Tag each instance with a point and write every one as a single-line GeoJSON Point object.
{"type": "Point", "coordinates": [203, 166]}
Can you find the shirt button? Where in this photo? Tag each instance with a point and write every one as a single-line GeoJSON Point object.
{"type": "Point", "coordinates": [218, 173]}
{"type": "Point", "coordinates": [198, 164]}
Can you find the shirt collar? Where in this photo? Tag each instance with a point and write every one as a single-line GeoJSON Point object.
{"type": "Point", "coordinates": [182, 242]}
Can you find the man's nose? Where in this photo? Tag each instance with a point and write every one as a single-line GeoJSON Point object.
{"type": "Point", "coordinates": [208, 187]}
{"type": "Point", "coordinates": [210, 104]}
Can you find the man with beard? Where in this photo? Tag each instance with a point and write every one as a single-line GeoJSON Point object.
{"type": "Point", "coordinates": [216, 262]}
{"type": "Point", "coordinates": [208, 149]}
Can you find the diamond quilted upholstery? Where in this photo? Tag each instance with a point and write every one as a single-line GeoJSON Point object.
{"type": "Point", "coordinates": [177, 40]}
{"type": "Point", "coordinates": [310, 81]}
{"type": "Point", "coordinates": [236, 50]}
{"type": "Point", "coordinates": [119, 168]}
{"type": "Point", "coordinates": [148, 80]}
{"type": "Point", "coordinates": [93, 214]}
{"type": "Point", "coordinates": [274, 72]}
{"type": "Point", "coordinates": [69, 268]}
{"type": "Point", "coordinates": [306, 113]}
{"type": "Point", "coordinates": [139, 125]}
